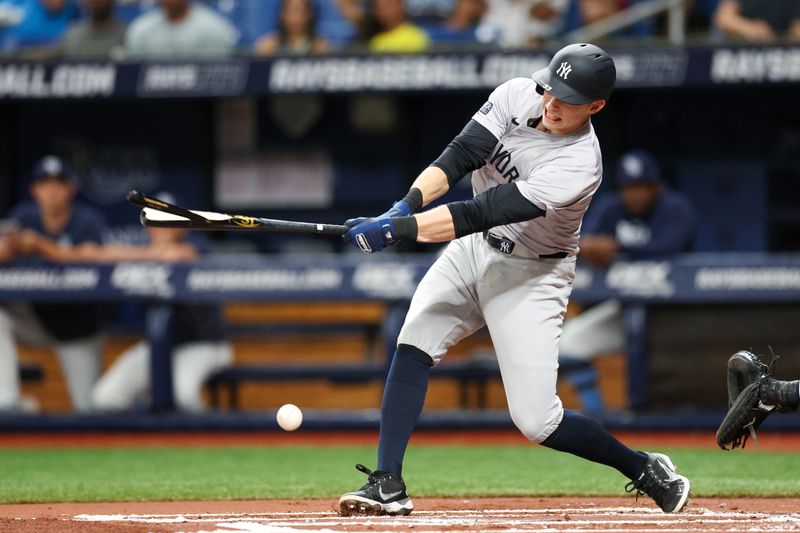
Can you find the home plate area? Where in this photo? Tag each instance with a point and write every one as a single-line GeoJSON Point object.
{"type": "Point", "coordinates": [478, 515]}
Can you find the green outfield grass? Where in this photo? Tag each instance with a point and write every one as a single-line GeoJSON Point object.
{"type": "Point", "coordinates": [37, 475]}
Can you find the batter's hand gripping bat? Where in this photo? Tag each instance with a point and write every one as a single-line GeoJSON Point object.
{"type": "Point", "coordinates": [158, 214]}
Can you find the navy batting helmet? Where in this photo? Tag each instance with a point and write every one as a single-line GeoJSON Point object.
{"type": "Point", "coordinates": [578, 74]}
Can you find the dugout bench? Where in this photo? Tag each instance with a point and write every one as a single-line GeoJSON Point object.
{"type": "Point", "coordinates": [472, 374]}
{"type": "Point", "coordinates": [378, 323]}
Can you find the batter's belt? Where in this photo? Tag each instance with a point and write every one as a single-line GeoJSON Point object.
{"type": "Point", "coordinates": [506, 246]}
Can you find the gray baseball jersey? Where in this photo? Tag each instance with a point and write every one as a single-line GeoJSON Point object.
{"type": "Point", "coordinates": [520, 297]}
{"type": "Point", "coordinates": [559, 174]}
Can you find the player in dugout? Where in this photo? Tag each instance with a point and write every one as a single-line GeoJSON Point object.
{"type": "Point", "coordinates": [510, 265]}
{"type": "Point", "coordinates": [643, 220]}
{"type": "Point", "coordinates": [74, 330]}
{"type": "Point", "coordinates": [198, 336]}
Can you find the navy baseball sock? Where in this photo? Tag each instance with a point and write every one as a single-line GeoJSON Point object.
{"type": "Point", "coordinates": [580, 435]}
{"type": "Point", "coordinates": [403, 398]}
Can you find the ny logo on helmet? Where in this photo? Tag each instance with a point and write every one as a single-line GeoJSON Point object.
{"type": "Point", "coordinates": [564, 70]}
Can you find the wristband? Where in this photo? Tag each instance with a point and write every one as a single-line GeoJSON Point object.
{"type": "Point", "coordinates": [405, 228]}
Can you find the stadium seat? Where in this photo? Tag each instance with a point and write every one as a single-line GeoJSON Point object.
{"type": "Point", "coordinates": [128, 11]}
{"type": "Point", "coordinates": [332, 25]}
{"type": "Point", "coordinates": [253, 18]}
{"type": "Point", "coordinates": [573, 19]}
{"type": "Point", "coordinates": [644, 28]}
{"type": "Point", "coordinates": [441, 34]}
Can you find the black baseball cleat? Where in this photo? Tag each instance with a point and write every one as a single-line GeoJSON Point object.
{"type": "Point", "coordinates": [382, 494]}
{"type": "Point", "coordinates": [661, 482]}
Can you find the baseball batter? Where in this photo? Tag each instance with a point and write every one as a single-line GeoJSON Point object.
{"type": "Point", "coordinates": [536, 163]}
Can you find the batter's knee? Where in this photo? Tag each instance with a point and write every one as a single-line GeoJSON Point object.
{"type": "Point", "coordinates": [411, 336]}
{"type": "Point", "coordinates": [411, 352]}
{"type": "Point", "coordinates": [538, 423]}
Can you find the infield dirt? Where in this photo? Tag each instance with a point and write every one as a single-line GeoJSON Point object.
{"type": "Point", "coordinates": [494, 514]}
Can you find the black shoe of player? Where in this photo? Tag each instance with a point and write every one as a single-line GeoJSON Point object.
{"type": "Point", "coordinates": [383, 493]}
{"type": "Point", "coordinates": [661, 482]}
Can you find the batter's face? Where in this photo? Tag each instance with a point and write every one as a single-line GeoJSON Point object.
{"type": "Point", "coordinates": [561, 118]}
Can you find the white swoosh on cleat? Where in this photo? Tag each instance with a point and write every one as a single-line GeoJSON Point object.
{"type": "Point", "coordinates": [390, 495]}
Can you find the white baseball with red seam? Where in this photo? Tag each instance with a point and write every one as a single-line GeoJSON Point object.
{"type": "Point", "coordinates": [290, 417]}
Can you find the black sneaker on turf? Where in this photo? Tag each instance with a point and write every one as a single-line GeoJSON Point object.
{"type": "Point", "coordinates": [661, 482]}
{"type": "Point", "coordinates": [382, 494]}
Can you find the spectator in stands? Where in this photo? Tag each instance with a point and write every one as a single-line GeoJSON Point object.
{"type": "Point", "coordinates": [594, 10]}
{"type": "Point", "coordinates": [523, 23]}
{"type": "Point", "coordinates": [643, 221]}
{"type": "Point", "coordinates": [198, 337]}
{"type": "Point", "coordinates": [296, 31]}
{"type": "Point", "coordinates": [759, 20]}
{"type": "Point", "coordinates": [73, 330]}
{"type": "Point", "coordinates": [464, 21]}
{"type": "Point", "coordinates": [35, 24]}
{"type": "Point", "coordinates": [100, 34]}
{"type": "Point", "coordinates": [180, 28]}
{"type": "Point", "coordinates": [386, 27]}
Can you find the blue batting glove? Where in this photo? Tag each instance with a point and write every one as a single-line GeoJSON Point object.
{"type": "Point", "coordinates": [399, 209]}
{"type": "Point", "coordinates": [372, 235]}
{"type": "Point", "coordinates": [353, 222]}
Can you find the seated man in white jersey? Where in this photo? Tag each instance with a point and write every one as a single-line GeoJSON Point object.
{"type": "Point", "coordinates": [535, 163]}
{"type": "Point", "coordinates": [643, 221]}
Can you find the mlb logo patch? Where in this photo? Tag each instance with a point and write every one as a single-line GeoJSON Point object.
{"type": "Point", "coordinates": [486, 108]}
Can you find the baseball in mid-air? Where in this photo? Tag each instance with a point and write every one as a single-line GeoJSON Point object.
{"type": "Point", "coordinates": [290, 417]}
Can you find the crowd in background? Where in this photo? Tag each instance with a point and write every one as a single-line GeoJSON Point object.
{"type": "Point", "coordinates": [152, 28]}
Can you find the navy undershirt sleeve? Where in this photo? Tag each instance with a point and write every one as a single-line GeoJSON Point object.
{"type": "Point", "coordinates": [500, 205]}
{"type": "Point", "coordinates": [467, 152]}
